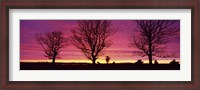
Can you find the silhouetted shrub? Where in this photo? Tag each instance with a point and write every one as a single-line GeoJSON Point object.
{"type": "Point", "coordinates": [107, 59]}
{"type": "Point", "coordinates": [98, 63]}
{"type": "Point", "coordinates": [139, 62]}
{"type": "Point", "coordinates": [174, 62]}
{"type": "Point", "coordinates": [155, 62]}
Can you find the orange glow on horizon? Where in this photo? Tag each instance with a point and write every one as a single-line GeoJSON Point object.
{"type": "Point", "coordinates": [101, 61]}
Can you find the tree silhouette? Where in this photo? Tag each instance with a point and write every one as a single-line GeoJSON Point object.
{"type": "Point", "coordinates": [52, 43]}
{"type": "Point", "coordinates": [152, 38]}
{"type": "Point", "coordinates": [107, 59]}
{"type": "Point", "coordinates": [91, 37]}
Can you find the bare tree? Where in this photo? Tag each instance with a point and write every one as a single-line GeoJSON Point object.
{"type": "Point", "coordinates": [52, 43]}
{"type": "Point", "coordinates": [91, 37]}
{"type": "Point", "coordinates": [153, 37]}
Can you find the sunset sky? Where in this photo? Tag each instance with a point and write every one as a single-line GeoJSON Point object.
{"type": "Point", "coordinates": [120, 50]}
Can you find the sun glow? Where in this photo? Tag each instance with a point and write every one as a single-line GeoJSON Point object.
{"type": "Point", "coordinates": [99, 60]}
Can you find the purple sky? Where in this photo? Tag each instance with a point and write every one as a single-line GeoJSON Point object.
{"type": "Point", "coordinates": [120, 49]}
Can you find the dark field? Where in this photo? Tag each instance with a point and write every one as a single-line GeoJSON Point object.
{"type": "Point", "coordinates": [88, 66]}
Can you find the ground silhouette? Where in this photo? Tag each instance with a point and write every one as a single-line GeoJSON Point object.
{"type": "Point", "coordinates": [139, 65]}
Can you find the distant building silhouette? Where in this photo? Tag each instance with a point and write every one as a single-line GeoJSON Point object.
{"type": "Point", "coordinates": [113, 62]}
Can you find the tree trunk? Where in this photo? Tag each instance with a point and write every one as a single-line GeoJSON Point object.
{"type": "Point", "coordinates": [54, 58]}
{"type": "Point", "coordinates": [150, 51]}
{"type": "Point", "coordinates": [94, 61]}
{"type": "Point", "coordinates": [150, 59]}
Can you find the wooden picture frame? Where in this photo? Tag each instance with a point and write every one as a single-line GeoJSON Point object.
{"type": "Point", "coordinates": [99, 4]}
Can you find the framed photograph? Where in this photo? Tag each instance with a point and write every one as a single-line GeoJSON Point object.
{"type": "Point", "coordinates": [148, 45]}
